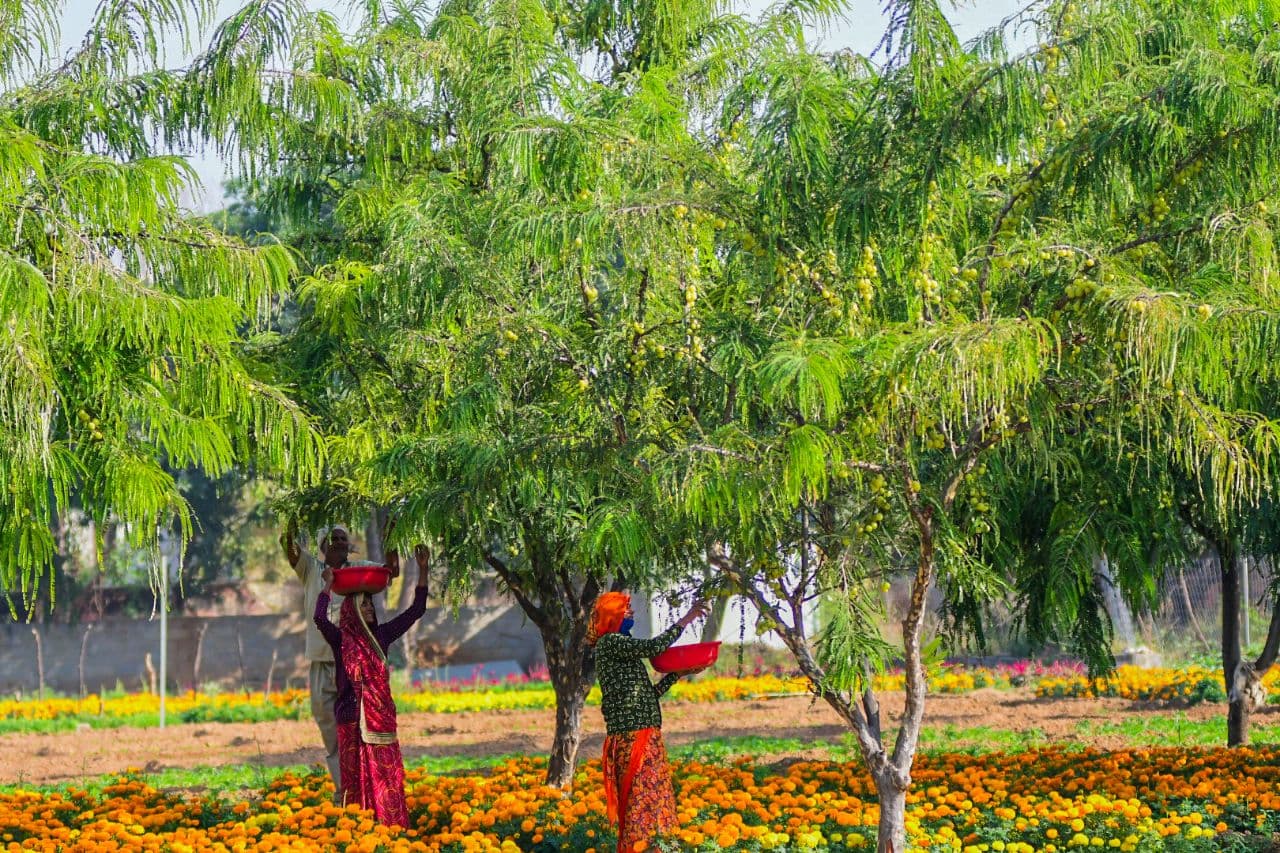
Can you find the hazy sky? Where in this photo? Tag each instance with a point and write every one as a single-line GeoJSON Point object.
{"type": "Point", "coordinates": [860, 31]}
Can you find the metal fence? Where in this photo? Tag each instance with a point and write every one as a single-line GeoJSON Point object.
{"type": "Point", "coordinates": [1189, 614]}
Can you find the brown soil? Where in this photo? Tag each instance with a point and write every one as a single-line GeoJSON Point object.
{"type": "Point", "coordinates": [51, 758]}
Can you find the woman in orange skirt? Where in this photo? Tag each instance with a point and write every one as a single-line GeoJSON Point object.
{"type": "Point", "coordinates": [637, 780]}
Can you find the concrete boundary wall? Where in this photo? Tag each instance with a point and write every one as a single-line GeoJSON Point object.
{"type": "Point", "coordinates": [233, 650]}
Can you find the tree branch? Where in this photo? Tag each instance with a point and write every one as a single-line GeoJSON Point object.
{"type": "Point", "coordinates": [1271, 649]}
{"type": "Point", "coordinates": [720, 451]}
{"type": "Point", "coordinates": [535, 613]}
{"type": "Point", "coordinates": [871, 747]}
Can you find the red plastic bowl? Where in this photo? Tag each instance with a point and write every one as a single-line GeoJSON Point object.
{"type": "Point", "coordinates": [350, 580]}
{"type": "Point", "coordinates": [686, 658]}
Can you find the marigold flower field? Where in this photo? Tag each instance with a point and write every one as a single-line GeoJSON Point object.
{"type": "Point", "coordinates": [189, 707]}
{"type": "Point", "coordinates": [1050, 800]}
{"type": "Point", "coordinates": [1169, 686]}
{"type": "Point", "coordinates": [195, 707]}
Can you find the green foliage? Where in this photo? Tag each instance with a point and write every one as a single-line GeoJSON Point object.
{"type": "Point", "coordinates": [849, 653]}
{"type": "Point", "coordinates": [1024, 260]}
{"type": "Point", "coordinates": [123, 358]}
{"type": "Point", "coordinates": [1170, 728]}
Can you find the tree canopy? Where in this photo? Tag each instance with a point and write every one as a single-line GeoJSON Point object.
{"type": "Point", "coordinates": [587, 292]}
{"type": "Point", "coordinates": [958, 273]}
{"type": "Point", "coordinates": [124, 316]}
{"type": "Point", "coordinates": [597, 291]}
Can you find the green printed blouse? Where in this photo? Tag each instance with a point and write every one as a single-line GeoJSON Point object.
{"type": "Point", "coordinates": [628, 699]}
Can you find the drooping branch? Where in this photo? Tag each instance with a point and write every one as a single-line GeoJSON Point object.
{"type": "Point", "coordinates": [979, 441]}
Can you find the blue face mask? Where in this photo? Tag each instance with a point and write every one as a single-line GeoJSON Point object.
{"type": "Point", "coordinates": [625, 627]}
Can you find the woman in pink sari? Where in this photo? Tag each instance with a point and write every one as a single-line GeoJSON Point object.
{"type": "Point", "coordinates": [372, 768]}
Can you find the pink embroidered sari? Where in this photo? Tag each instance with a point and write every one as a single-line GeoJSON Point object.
{"type": "Point", "coordinates": [372, 767]}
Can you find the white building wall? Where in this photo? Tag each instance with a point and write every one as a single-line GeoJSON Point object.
{"type": "Point", "coordinates": [653, 615]}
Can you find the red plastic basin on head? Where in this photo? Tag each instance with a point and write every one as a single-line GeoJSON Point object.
{"type": "Point", "coordinates": [687, 657]}
{"type": "Point", "coordinates": [350, 580]}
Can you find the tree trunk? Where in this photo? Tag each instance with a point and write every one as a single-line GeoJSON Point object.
{"type": "Point", "coordinates": [373, 540]}
{"type": "Point", "coordinates": [1191, 610]}
{"type": "Point", "coordinates": [893, 784]}
{"type": "Point", "coordinates": [562, 613]}
{"type": "Point", "coordinates": [1113, 600]}
{"type": "Point", "coordinates": [1232, 654]}
{"type": "Point", "coordinates": [84, 647]}
{"type": "Point", "coordinates": [892, 776]}
{"type": "Point", "coordinates": [375, 552]}
{"type": "Point", "coordinates": [195, 664]}
{"type": "Point", "coordinates": [1246, 690]}
{"type": "Point", "coordinates": [891, 834]}
{"type": "Point", "coordinates": [35, 632]}
{"type": "Point", "coordinates": [1271, 646]}
{"type": "Point", "coordinates": [715, 619]}
{"type": "Point", "coordinates": [572, 672]}
{"type": "Point", "coordinates": [719, 603]}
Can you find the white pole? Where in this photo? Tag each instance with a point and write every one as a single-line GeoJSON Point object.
{"type": "Point", "coordinates": [164, 633]}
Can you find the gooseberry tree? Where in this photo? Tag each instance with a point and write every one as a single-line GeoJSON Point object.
{"type": "Point", "coordinates": [950, 262]}
{"type": "Point", "coordinates": [123, 317]}
{"type": "Point", "coordinates": [1148, 517]}
{"type": "Point", "coordinates": [500, 319]}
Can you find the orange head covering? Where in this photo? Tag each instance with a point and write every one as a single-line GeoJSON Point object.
{"type": "Point", "coordinates": [606, 617]}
